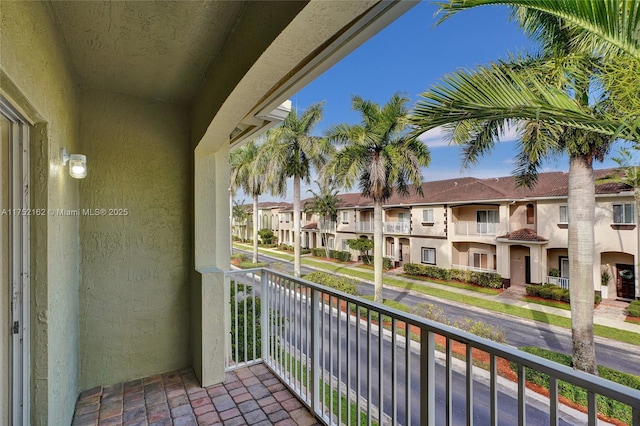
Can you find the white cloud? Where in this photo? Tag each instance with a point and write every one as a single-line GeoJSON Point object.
{"type": "Point", "coordinates": [435, 138]}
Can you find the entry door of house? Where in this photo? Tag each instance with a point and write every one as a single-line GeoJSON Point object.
{"type": "Point", "coordinates": [14, 263]}
{"type": "Point", "coordinates": [625, 281]}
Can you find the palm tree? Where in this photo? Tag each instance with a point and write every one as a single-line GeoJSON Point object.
{"type": "Point", "coordinates": [246, 174]}
{"type": "Point", "coordinates": [239, 213]}
{"type": "Point", "coordinates": [325, 205]}
{"type": "Point", "coordinates": [381, 157]}
{"type": "Point", "coordinates": [291, 151]}
{"type": "Point", "coordinates": [547, 97]}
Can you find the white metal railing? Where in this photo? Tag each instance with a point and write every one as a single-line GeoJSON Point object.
{"type": "Point", "coordinates": [475, 228]}
{"type": "Point", "coordinates": [364, 226]}
{"type": "Point", "coordinates": [396, 227]}
{"type": "Point", "coordinates": [328, 348]}
{"type": "Point", "coordinates": [329, 226]}
{"type": "Point", "coordinates": [471, 268]}
{"type": "Point", "coordinates": [559, 281]}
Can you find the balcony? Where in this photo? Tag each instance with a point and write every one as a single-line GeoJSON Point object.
{"type": "Point", "coordinates": [328, 348]}
{"type": "Point", "coordinates": [475, 228]}
{"type": "Point", "coordinates": [364, 226]}
{"type": "Point", "coordinates": [327, 226]}
{"type": "Point", "coordinates": [396, 227]}
{"type": "Point", "coordinates": [387, 227]}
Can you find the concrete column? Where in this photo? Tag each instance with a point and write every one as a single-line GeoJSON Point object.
{"type": "Point", "coordinates": [211, 245]}
{"type": "Point", "coordinates": [396, 249]}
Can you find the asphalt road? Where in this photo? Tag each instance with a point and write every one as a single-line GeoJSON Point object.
{"type": "Point", "coordinates": [518, 332]}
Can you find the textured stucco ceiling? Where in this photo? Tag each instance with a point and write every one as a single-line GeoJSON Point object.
{"type": "Point", "coordinates": [152, 49]}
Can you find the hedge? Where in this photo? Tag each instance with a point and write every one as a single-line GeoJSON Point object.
{"type": "Point", "coordinates": [606, 406]}
{"type": "Point", "coordinates": [634, 308]}
{"type": "Point", "coordinates": [483, 279]}
{"type": "Point", "coordinates": [337, 282]}
{"type": "Point", "coordinates": [287, 247]}
{"type": "Point", "coordinates": [387, 262]}
{"type": "Point", "coordinates": [343, 256]}
{"type": "Point", "coordinates": [553, 292]}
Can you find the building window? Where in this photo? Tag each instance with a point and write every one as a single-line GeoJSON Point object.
{"type": "Point", "coordinates": [429, 255]}
{"type": "Point", "coordinates": [480, 261]}
{"type": "Point", "coordinates": [427, 216]}
{"type": "Point", "coordinates": [345, 245]}
{"type": "Point", "coordinates": [623, 213]}
{"type": "Point", "coordinates": [486, 221]}
{"type": "Point", "coordinates": [345, 217]}
{"type": "Point", "coordinates": [564, 215]}
{"type": "Point", "coordinates": [403, 217]}
{"type": "Point", "coordinates": [530, 214]}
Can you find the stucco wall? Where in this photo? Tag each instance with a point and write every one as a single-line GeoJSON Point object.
{"type": "Point", "coordinates": [38, 77]}
{"type": "Point", "coordinates": [134, 293]}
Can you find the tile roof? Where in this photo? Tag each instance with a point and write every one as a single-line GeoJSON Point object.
{"type": "Point", "coordinates": [524, 234]}
{"type": "Point", "coordinates": [311, 225]}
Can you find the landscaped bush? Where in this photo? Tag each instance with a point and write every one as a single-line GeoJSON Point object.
{"type": "Point", "coordinates": [553, 292]}
{"type": "Point", "coordinates": [249, 265]}
{"type": "Point", "coordinates": [337, 282]}
{"type": "Point", "coordinates": [375, 316]}
{"type": "Point", "coordinates": [266, 236]}
{"type": "Point", "coordinates": [484, 279]}
{"type": "Point", "coordinates": [430, 312]}
{"type": "Point", "coordinates": [634, 308]}
{"type": "Point", "coordinates": [285, 247]}
{"type": "Point", "coordinates": [387, 262]}
{"type": "Point", "coordinates": [482, 329]}
{"type": "Point", "coordinates": [268, 245]}
{"type": "Point", "coordinates": [343, 256]}
{"type": "Point", "coordinates": [606, 406]}
{"type": "Point", "coordinates": [240, 257]}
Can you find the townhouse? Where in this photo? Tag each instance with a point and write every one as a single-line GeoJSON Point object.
{"type": "Point", "coordinates": [491, 225]}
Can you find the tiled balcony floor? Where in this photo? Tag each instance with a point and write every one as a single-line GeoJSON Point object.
{"type": "Point", "coordinates": [249, 396]}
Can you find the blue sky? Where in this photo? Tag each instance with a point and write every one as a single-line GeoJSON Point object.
{"type": "Point", "coordinates": [408, 57]}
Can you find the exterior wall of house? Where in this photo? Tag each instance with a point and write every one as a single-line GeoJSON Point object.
{"type": "Point", "coordinates": [442, 247]}
{"type": "Point", "coordinates": [518, 216]}
{"type": "Point", "coordinates": [134, 297]}
{"type": "Point", "coordinates": [37, 77]}
{"type": "Point", "coordinates": [436, 229]}
{"type": "Point", "coordinates": [349, 225]}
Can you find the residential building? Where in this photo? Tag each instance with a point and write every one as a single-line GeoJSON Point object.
{"type": "Point", "coordinates": [493, 225]}
{"type": "Point", "coordinates": [154, 94]}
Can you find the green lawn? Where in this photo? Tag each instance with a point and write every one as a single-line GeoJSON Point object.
{"type": "Point", "coordinates": [599, 330]}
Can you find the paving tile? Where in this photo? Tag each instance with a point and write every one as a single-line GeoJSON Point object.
{"type": "Point", "coordinates": [110, 409]}
{"type": "Point", "coordinates": [230, 377]}
{"type": "Point", "coordinates": [152, 379]}
{"type": "Point", "coordinates": [236, 421]}
{"type": "Point", "coordinates": [302, 417]}
{"type": "Point", "coordinates": [223, 403]}
{"type": "Point", "coordinates": [198, 411]}
{"type": "Point", "coordinates": [181, 410]}
{"type": "Point", "coordinates": [134, 415]}
{"type": "Point", "coordinates": [251, 381]}
{"type": "Point", "coordinates": [112, 389]}
{"type": "Point", "coordinates": [90, 400]}
{"type": "Point", "coordinates": [198, 395]}
{"type": "Point", "coordinates": [266, 401]}
{"type": "Point", "coordinates": [248, 406]}
{"type": "Point", "coordinates": [244, 373]}
{"type": "Point", "coordinates": [258, 391]}
{"type": "Point", "coordinates": [158, 412]}
{"type": "Point", "coordinates": [238, 391]}
{"type": "Point", "coordinates": [177, 392]}
{"type": "Point", "coordinates": [276, 387]}
{"type": "Point", "coordinates": [242, 397]}
{"type": "Point", "coordinates": [255, 416]}
{"type": "Point", "coordinates": [271, 408]}
{"type": "Point", "coordinates": [161, 422]}
{"type": "Point", "coordinates": [155, 399]}
{"type": "Point", "coordinates": [278, 415]}
{"type": "Point", "coordinates": [208, 419]}
{"type": "Point", "coordinates": [233, 385]}
{"type": "Point", "coordinates": [86, 419]}
{"type": "Point", "coordinates": [112, 421]}
{"type": "Point", "coordinates": [128, 405]}
{"type": "Point", "coordinates": [270, 382]}
{"type": "Point", "coordinates": [286, 422]}
{"type": "Point", "coordinates": [91, 392]}
{"type": "Point", "coordinates": [84, 409]}
{"type": "Point", "coordinates": [229, 414]}
{"type": "Point", "coordinates": [291, 404]}
{"type": "Point", "coordinates": [186, 420]}
{"type": "Point", "coordinates": [216, 391]}
{"type": "Point", "coordinates": [282, 395]}
{"type": "Point", "coordinates": [154, 387]}
{"type": "Point", "coordinates": [178, 401]}
{"type": "Point", "coordinates": [259, 369]}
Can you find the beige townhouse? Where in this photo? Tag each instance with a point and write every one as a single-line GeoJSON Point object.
{"type": "Point", "coordinates": [494, 226]}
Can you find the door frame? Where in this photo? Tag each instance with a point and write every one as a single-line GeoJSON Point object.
{"type": "Point", "coordinates": [18, 248]}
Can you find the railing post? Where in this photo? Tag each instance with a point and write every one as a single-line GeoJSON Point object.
{"type": "Point", "coordinates": [264, 317]}
{"type": "Point", "coordinates": [315, 353]}
{"type": "Point", "coordinates": [427, 377]}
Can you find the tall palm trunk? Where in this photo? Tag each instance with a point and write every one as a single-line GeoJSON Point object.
{"type": "Point", "coordinates": [581, 200]}
{"type": "Point", "coordinates": [296, 226]}
{"type": "Point", "coordinates": [377, 250]}
{"type": "Point", "coordinates": [255, 229]}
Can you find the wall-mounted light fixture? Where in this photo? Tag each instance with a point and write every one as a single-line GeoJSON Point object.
{"type": "Point", "coordinates": [77, 163]}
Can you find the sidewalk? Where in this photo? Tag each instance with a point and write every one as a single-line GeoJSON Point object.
{"type": "Point", "coordinates": [608, 313]}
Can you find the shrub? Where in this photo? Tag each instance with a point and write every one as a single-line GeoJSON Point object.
{"type": "Point", "coordinates": [285, 247]}
{"type": "Point", "coordinates": [430, 312]}
{"type": "Point", "coordinates": [387, 263]}
{"type": "Point", "coordinates": [533, 290]}
{"type": "Point", "coordinates": [482, 329]}
{"type": "Point", "coordinates": [343, 256]}
{"type": "Point", "coordinates": [337, 282]}
{"type": "Point", "coordinates": [375, 316]}
{"type": "Point", "coordinates": [606, 406]}
{"type": "Point", "coordinates": [553, 292]}
{"type": "Point", "coordinates": [266, 236]}
{"type": "Point", "coordinates": [634, 308]}
{"type": "Point", "coordinates": [249, 265]}
{"type": "Point", "coordinates": [484, 279]}
{"type": "Point", "coordinates": [252, 329]}
{"type": "Point", "coordinates": [241, 257]}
